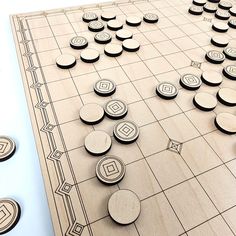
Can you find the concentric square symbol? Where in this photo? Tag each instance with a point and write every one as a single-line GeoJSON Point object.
{"type": "Point", "coordinates": [126, 130]}
{"type": "Point", "coordinates": [110, 168]}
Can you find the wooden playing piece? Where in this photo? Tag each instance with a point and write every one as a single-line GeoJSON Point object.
{"type": "Point", "coordinates": [150, 17]}
{"type": "Point", "coordinates": [126, 132]}
{"type": "Point", "coordinates": [214, 1]}
{"type": "Point", "coordinates": [205, 101]}
{"type": "Point", "coordinates": [222, 15]}
{"type": "Point", "coordinates": [219, 41]}
{"type": "Point", "coordinates": [89, 55]}
{"type": "Point", "coordinates": [107, 15]}
{"type": "Point", "coordinates": [89, 16]}
{"type": "Point", "coordinates": [211, 78]}
{"type": "Point", "coordinates": [199, 2]}
{"type": "Point", "coordinates": [230, 72]}
{"type": "Point", "coordinates": [226, 123]}
{"type": "Point", "coordinates": [104, 87]}
{"type": "Point", "coordinates": [95, 26]}
{"type": "Point", "coordinates": [230, 53]}
{"type": "Point", "coordinates": [133, 21]}
{"type": "Point", "coordinates": [124, 207]}
{"type": "Point", "coordinates": [91, 113]}
{"type": "Point", "coordinates": [116, 109]}
{"type": "Point", "coordinates": [210, 8]}
{"type": "Point", "coordinates": [166, 90]}
{"type": "Point", "coordinates": [130, 45]}
{"type": "Point", "coordinates": [215, 57]}
{"type": "Point", "coordinates": [190, 81]}
{"type": "Point", "coordinates": [123, 34]}
{"type": "Point", "coordinates": [9, 214]}
{"type": "Point", "coordinates": [7, 148]}
{"type": "Point", "coordinates": [65, 61]}
{"type": "Point", "coordinates": [220, 27]}
{"type": "Point", "coordinates": [113, 50]}
{"type": "Point", "coordinates": [227, 96]}
{"type": "Point", "coordinates": [114, 25]}
{"type": "Point", "coordinates": [225, 5]}
{"type": "Point", "coordinates": [78, 42]}
{"type": "Point", "coordinates": [195, 10]}
{"type": "Point", "coordinates": [110, 170]}
{"type": "Point", "coordinates": [232, 11]}
{"type": "Point", "coordinates": [232, 23]}
{"type": "Point", "coordinates": [102, 37]}
{"type": "Point", "coordinates": [97, 143]}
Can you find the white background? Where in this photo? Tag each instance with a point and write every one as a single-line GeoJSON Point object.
{"type": "Point", "coordinates": [20, 176]}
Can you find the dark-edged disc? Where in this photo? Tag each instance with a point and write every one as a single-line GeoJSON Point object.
{"type": "Point", "coordinates": [220, 27]}
{"type": "Point", "coordinates": [227, 96]}
{"type": "Point", "coordinates": [114, 25]}
{"type": "Point", "coordinates": [107, 15]}
{"type": "Point", "coordinates": [190, 81]}
{"type": "Point", "coordinates": [205, 101]}
{"type": "Point", "coordinates": [95, 26]}
{"type": "Point", "coordinates": [225, 5]}
{"type": "Point", "coordinates": [102, 37]}
{"type": "Point", "coordinates": [195, 10]}
{"type": "Point", "coordinates": [232, 11]}
{"type": "Point", "coordinates": [210, 8]}
{"type": "Point", "coordinates": [116, 109]}
{"type": "Point", "coordinates": [226, 123]}
{"type": "Point", "coordinates": [7, 148]}
{"type": "Point", "coordinates": [215, 57]}
{"type": "Point", "coordinates": [65, 61]}
{"type": "Point", "coordinates": [123, 34]}
{"type": "Point", "coordinates": [89, 16]}
{"type": "Point", "coordinates": [133, 21]}
{"type": "Point", "coordinates": [222, 15]}
{"type": "Point", "coordinates": [199, 2]}
{"type": "Point", "coordinates": [150, 18]}
{"type": "Point", "coordinates": [89, 55]}
{"type": "Point", "coordinates": [211, 78]}
{"type": "Point", "coordinates": [104, 87]}
{"type": "Point", "coordinates": [230, 53]}
{"type": "Point", "coordinates": [113, 50]}
{"type": "Point", "coordinates": [230, 72]}
{"type": "Point", "coordinates": [130, 45]}
{"type": "Point", "coordinates": [78, 42]}
{"type": "Point", "coordinates": [219, 41]}
{"type": "Point", "coordinates": [232, 23]}
{"type": "Point", "coordinates": [166, 90]}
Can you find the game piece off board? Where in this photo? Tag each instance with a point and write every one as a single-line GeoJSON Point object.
{"type": "Point", "coordinates": [7, 148]}
{"type": "Point", "coordinates": [135, 128]}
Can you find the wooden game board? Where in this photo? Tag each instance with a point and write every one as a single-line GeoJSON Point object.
{"type": "Point", "coordinates": [181, 167]}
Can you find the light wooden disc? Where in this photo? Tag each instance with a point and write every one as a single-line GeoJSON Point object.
{"type": "Point", "coordinates": [195, 10]}
{"type": "Point", "coordinates": [225, 5]}
{"type": "Point", "coordinates": [227, 96]}
{"type": "Point", "coordinates": [108, 15]}
{"type": "Point", "coordinates": [133, 20]}
{"type": "Point", "coordinates": [102, 37]}
{"type": "Point", "coordinates": [89, 16]}
{"type": "Point", "coordinates": [114, 25]}
{"type": "Point", "coordinates": [190, 81]}
{"type": "Point", "coordinates": [222, 15]}
{"type": "Point", "coordinates": [97, 143]}
{"type": "Point", "coordinates": [110, 170]}
{"type": "Point", "coordinates": [130, 45]}
{"type": "Point", "coordinates": [113, 50]}
{"type": "Point", "coordinates": [9, 214]}
{"type": "Point", "coordinates": [215, 57]}
{"type": "Point", "coordinates": [7, 148]}
{"type": "Point", "coordinates": [166, 90]}
{"type": "Point", "coordinates": [116, 109]}
{"type": "Point", "coordinates": [220, 27]}
{"type": "Point", "coordinates": [219, 41]}
{"type": "Point", "coordinates": [232, 11]}
{"type": "Point", "coordinates": [150, 18]}
{"type": "Point", "coordinates": [232, 23]}
{"type": "Point", "coordinates": [123, 34]}
{"type": "Point", "coordinates": [126, 132]}
{"type": "Point", "coordinates": [78, 42]}
{"type": "Point", "coordinates": [104, 87]}
{"type": "Point", "coordinates": [210, 8]}
{"type": "Point", "coordinates": [205, 101]}
{"type": "Point", "coordinates": [199, 2]}
{"type": "Point", "coordinates": [226, 123]}
{"type": "Point", "coordinates": [230, 72]}
{"type": "Point", "coordinates": [91, 113]}
{"type": "Point", "coordinates": [230, 53]}
{"type": "Point", "coordinates": [95, 26]}
{"type": "Point", "coordinates": [212, 78]}
{"type": "Point", "coordinates": [89, 55]}
{"type": "Point", "coordinates": [124, 206]}
{"type": "Point", "coordinates": [65, 61]}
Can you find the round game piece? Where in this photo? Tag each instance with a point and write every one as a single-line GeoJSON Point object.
{"type": "Point", "coordinates": [211, 78]}
{"type": "Point", "coordinates": [220, 27]}
{"type": "Point", "coordinates": [150, 18]}
{"type": "Point", "coordinates": [215, 57]}
{"type": "Point", "coordinates": [232, 23]}
{"type": "Point", "coordinates": [205, 101]}
{"type": "Point", "coordinates": [199, 2]}
{"type": "Point", "coordinates": [107, 15]}
{"type": "Point", "coordinates": [97, 143]}
{"type": "Point", "coordinates": [130, 45]}
{"type": "Point", "coordinates": [65, 61]}
{"type": "Point", "coordinates": [104, 87]}
{"type": "Point", "coordinates": [230, 72]}
{"type": "Point", "coordinates": [210, 8]}
{"type": "Point", "coordinates": [89, 55]}
{"type": "Point", "coordinates": [110, 170]}
{"type": "Point", "coordinates": [126, 132]}
{"type": "Point", "coordinates": [225, 5]}
{"type": "Point", "coordinates": [114, 25]}
{"type": "Point", "coordinates": [195, 10]}
{"type": "Point", "coordinates": [91, 113]}
{"type": "Point", "coordinates": [116, 109]}
{"type": "Point", "coordinates": [133, 21]}
{"type": "Point", "coordinates": [10, 214]}
{"type": "Point", "coordinates": [222, 15]}
{"type": "Point", "coordinates": [7, 148]}
{"type": "Point", "coordinates": [190, 82]}
{"type": "Point", "coordinates": [123, 34]}
{"type": "Point", "coordinates": [113, 50]}
{"type": "Point", "coordinates": [230, 53]}
{"type": "Point", "coordinates": [226, 123]}
{"type": "Point", "coordinates": [78, 42]}
{"type": "Point", "coordinates": [227, 96]}
{"type": "Point", "coordinates": [214, 1]}
{"type": "Point", "coordinates": [232, 11]}
{"type": "Point", "coordinates": [102, 37]}
{"type": "Point", "coordinates": [89, 16]}
{"type": "Point", "coordinates": [166, 90]}
{"type": "Point", "coordinates": [95, 26]}
{"type": "Point", "coordinates": [219, 41]}
{"type": "Point", "coordinates": [124, 207]}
